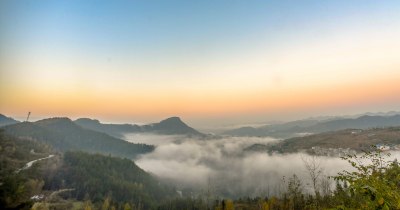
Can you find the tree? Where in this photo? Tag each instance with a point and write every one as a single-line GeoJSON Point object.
{"type": "Point", "coordinates": [263, 204]}
{"type": "Point", "coordinates": [88, 205]}
{"type": "Point", "coordinates": [314, 170]}
{"type": "Point", "coordinates": [229, 205]}
{"type": "Point", "coordinates": [294, 192]}
{"type": "Point", "coordinates": [127, 206]}
{"type": "Point", "coordinates": [106, 203]}
{"type": "Point", "coordinates": [374, 183]}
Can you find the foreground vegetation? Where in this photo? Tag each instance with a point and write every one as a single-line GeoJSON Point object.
{"type": "Point", "coordinates": [374, 183]}
{"type": "Point", "coordinates": [78, 180]}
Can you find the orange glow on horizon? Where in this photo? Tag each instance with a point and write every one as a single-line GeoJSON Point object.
{"type": "Point", "coordinates": [195, 104]}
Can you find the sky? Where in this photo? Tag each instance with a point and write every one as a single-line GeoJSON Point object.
{"type": "Point", "coordinates": [211, 62]}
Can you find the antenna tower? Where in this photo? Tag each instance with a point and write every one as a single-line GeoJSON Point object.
{"type": "Point", "coordinates": [27, 118]}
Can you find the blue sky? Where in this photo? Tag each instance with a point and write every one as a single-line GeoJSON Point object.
{"type": "Point", "coordinates": [163, 26]}
{"type": "Point", "coordinates": [166, 57]}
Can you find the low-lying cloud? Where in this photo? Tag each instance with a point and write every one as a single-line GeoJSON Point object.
{"type": "Point", "coordinates": [221, 165]}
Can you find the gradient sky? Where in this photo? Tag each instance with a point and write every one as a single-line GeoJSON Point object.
{"type": "Point", "coordinates": [210, 61]}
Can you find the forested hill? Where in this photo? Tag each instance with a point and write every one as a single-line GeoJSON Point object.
{"type": "Point", "coordinates": [72, 180]}
{"type": "Point", "coordinates": [169, 126]}
{"type": "Point", "coordinates": [64, 135]}
{"type": "Point", "coordinates": [121, 179]}
{"type": "Point", "coordinates": [16, 152]}
{"type": "Point", "coordinates": [16, 185]}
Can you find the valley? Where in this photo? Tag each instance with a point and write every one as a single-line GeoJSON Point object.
{"type": "Point", "coordinates": [169, 161]}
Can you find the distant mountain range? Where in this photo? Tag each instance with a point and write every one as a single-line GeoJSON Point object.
{"type": "Point", "coordinates": [63, 134]}
{"type": "Point", "coordinates": [355, 139]}
{"type": "Point", "coordinates": [305, 127]}
{"type": "Point", "coordinates": [169, 126]}
{"type": "Point", "coordinates": [175, 126]}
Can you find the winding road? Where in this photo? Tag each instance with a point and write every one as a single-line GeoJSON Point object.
{"type": "Point", "coordinates": [29, 164]}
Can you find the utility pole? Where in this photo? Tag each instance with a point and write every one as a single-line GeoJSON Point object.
{"type": "Point", "coordinates": [27, 118]}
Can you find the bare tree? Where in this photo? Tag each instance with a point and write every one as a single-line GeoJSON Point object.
{"type": "Point", "coordinates": [314, 170]}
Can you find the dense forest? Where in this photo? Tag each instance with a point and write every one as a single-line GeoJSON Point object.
{"type": "Point", "coordinates": [95, 177]}
{"type": "Point", "coordinates": [16, 185]}
{"type": "Point", "coordinates": [79, 180]}
{"type": "Point", "coordinates": [72, 178]}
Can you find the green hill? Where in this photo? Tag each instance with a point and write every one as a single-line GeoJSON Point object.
{"type": "Point", "coordinates": [64, 135]}
{"type": "Point", "coordinates": [101, 176]}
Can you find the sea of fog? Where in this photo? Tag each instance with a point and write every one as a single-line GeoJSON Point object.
{"type": "Point", "coordinates": [222, 167]}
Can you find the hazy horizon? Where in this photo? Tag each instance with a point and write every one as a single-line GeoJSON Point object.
{"type": "Point", "coordinates": [206, 126]}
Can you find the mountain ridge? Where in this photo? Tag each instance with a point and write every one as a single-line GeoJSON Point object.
{"type": "Point", "coordinates": [169, 126]}
{"type": "Point", "coordinates": [63, 134]}
{"type": "Point", "coordinates": [292, 129]}
{"type": "Point", "coordinates": [355, 139]}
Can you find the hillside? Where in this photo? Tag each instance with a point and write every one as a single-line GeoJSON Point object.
{"type": "Point", "coordinates": [17, 186]}
{"type": "Point", "coordinates": [363, 122]}
{"type": "Point", "coordinates": [115, 130]}
{"type": "Point", "coordinates": [169, 126]}
{"type": "Point", "coordinates": [15, 152]}
{"type": "Point", "coordinates": [4, 120]}
{"type": "Point", "coordinates": [357, 140]}
{"type": "Point", "coordinates": [86, 179]}
{"type": "Point", "coordinates": [172, 125]}
{"type": "Point", "coordinates": [98, 176]}
{"type": "Point", "coordinates": [304, 127]}
{"type": "Point", "coordinates": [64, 135]}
